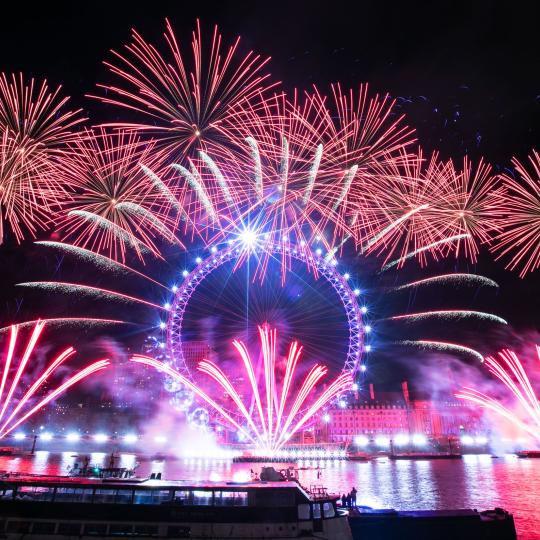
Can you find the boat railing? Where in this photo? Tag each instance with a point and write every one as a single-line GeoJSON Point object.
{"type": "Point", "coordinates": [318, 492]}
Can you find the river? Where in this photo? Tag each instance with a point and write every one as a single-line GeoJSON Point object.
{"type": "Point", "coordinates": [476, 481]}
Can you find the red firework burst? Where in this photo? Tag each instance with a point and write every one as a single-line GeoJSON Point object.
{"type": "Point", "coordinates": [269, 186]}
{"type": "Point", "coordinates": [520, 218]}
{"type": "Point", "coordinates": [360, 129]}
{"type": "Point", "coordinates": [117, 203]}
{"type": "Point", "coordinates": [184, 101]}
{"type": "Point", "coordinates": [392, 216]}
{"type": "Point", "coordinates": [35, 129]}
{"type": "Point", "coordinates": [465, 205]}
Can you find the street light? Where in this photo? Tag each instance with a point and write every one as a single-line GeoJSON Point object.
{"type": "Point", "coordinates": [419, 440]}
{"type": "Point", "coordinates": [401, 439]}
{"type": "Point", "coordinates": [361, 440]}
{"type": "Point", "coordinates": [467, 440]}
{"type": "Point", "coordinates": [382, 441]}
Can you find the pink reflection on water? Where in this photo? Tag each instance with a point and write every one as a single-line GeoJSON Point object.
{"type": "Point", "coordinates": [480, 482]}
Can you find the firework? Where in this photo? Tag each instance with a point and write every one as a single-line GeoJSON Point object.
{"type": "Point", "coordinates": [87, 290]}
{"type": "Point", "coordinates": [19, 401]}
{"type": "Point", "coordinates": [421, 251]}
{"type": "Point", "coordinates": [467, 205]}
{"type": "Point", "coordinates": [360, 129]}
{"type": "Point", "coordinates": [183, 103]}
{"type": "Point", "coordinates": [362, 135]}
{"type": "Point", "coordinates": [35, 128]}
{"type": "Point", "coordinates": [449, 314]}
{"type": "Point", "coordinates": [457, 278]}
{"type": "Point", "coordinates": [424, 207]}
{"type": "Point", "coordinates": [443, 346]}
{"type": "Point", "coordinates": [268, 190]}
{"type": "Point", "coordinates": [60, 322]}
{"type": "Point", "coordinates": [393, 217]}
{"type": "Point", "coordinates": [282, 408]}
{"type": "Point", "coordinates": [116, 205]}
{"type": "Point", "coordinates": [100, 261]}
{"type": "Point", "coordinates": [520, 218]}
{"type": "Point", "coordinates": [510, 371]}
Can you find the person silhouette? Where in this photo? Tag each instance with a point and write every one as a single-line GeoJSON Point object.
{"type": "Point", "coordinates": [343, 501]}
{"type": "Point", "coordinates": [353, 496]}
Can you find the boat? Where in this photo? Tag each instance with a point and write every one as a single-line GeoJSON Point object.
{"type": "Point", "coordinates": [59, 508]}
{"type": "Point", "coordinates": [426, 455]}
{"type": "Point", "coordinates": [528, 454]}
{"type": "Point", "coordinates": [389, 524]}
{"type": "Point", "coordinates": [358, 456]}
{"type": "Point", "coordinates": [83, 468]}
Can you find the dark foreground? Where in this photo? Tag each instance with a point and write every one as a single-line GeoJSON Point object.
{"type": "Point", "coordinates": [432, 524]}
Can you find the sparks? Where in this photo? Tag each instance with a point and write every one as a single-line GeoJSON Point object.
{"type": "Point", "coordinates": [508, 368]}
{"type": "Point", "coordinates": [449, 314]}
{"type": "Point", "coordinates": [468, 279]}
{"type": "Point", "coordinates": [15, 397]}
{"type": "Point", "coordinates": [282, 408]}
{"type": "Point", "coordinates": [443, 347]}
{"type": "Point", "coordinates": [520, 218]}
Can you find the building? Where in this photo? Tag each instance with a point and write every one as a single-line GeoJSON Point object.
{"type": "Point", "coordinates": [195, 352]}
{"type": "Point", "coordinates": [389, 414]}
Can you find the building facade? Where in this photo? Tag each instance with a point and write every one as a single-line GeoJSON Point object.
{"type": "Point", "coordinates": [392, 414]}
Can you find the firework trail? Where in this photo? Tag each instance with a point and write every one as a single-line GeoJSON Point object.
{"type": "Point", "coordinates": [510, 371]}
{"type": "Point", "coordinates": [183, 102]}
{"type": "Point", "coordinates": [81, 289]}
{"type": "Point", "coordinates": [449, 314]}
{"type": "Point", "coordinates": [100, 261]}
{"type": "Point", "coordinates": [85, 322]}
{"type": "Point", "coordinates": [469, 279]}
{"type": "Point", "coordinates": [18, 402]}
{"type": "Point", "coordinates": [432, 248]}
{"type": "Point", "coordinates": [35, 129]}
{"type": "Point", "coordinates": [520, 218]}
{"type": "Point", "coordinates": [276, 419]}
{"type": "Point", "coordinates": [443, 346]}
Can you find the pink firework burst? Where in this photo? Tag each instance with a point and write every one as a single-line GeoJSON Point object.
{"type": "Point", "coordinates": [117, 201]}
{"type": "Point", "coordinates": [463, 205]}
{"type": "Point", "coordinates": [18, 400]}
{"type": "Point", "coordinates": [35, 129]}
{"type": "Point", "coordinates": [183, 101]}
{"type": "Point", "coordinates": [520, 218]}
{"type": "Point", "coordinates": [281, 408]}
{"type": "Point", "coordinates": [392, 219]}
{"type": "Point", "coordinates": [508, 368]}
{"type": "Point", "coordinates": [268, 188]}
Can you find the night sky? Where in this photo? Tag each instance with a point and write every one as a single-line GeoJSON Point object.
{"type": "Point", "coordinates": [466, 75]}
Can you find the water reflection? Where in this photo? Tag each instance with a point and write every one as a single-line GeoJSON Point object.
{"type": "Point", "coordinates": [480, 482]}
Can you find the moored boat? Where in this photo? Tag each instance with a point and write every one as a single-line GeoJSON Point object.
{"type": "Point", "coordinates": [529, 454]}
{"type": "Point", "coordinates": [426, 455]}
{"type": "Point", "coordinates": [66, 507]}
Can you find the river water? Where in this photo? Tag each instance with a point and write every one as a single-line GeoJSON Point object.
{"type": "Point", "coordinates": [476, 481]}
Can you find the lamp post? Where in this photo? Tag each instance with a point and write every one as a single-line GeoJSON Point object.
{"type": "Point", "coordinates": [32, 452]}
